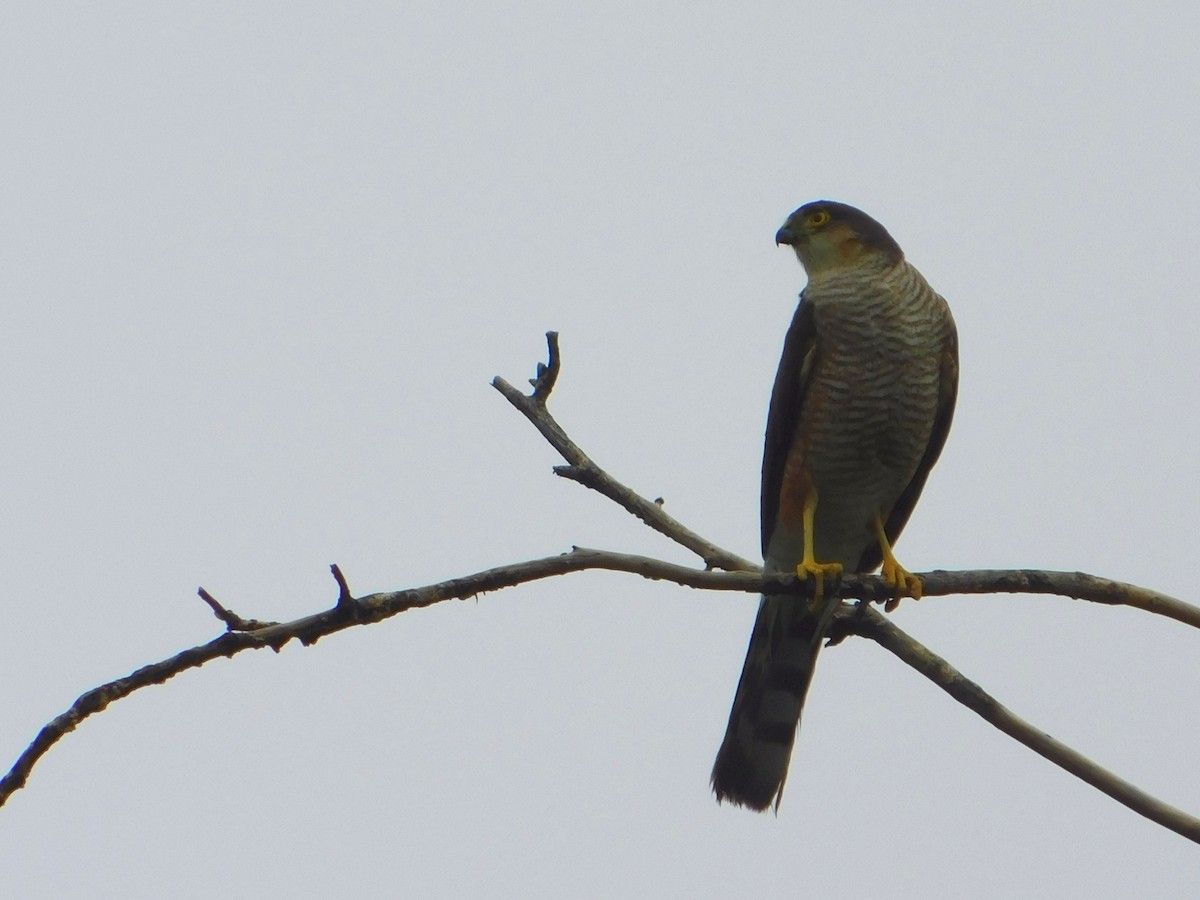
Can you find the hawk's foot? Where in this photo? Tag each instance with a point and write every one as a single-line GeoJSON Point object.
{"type": "Point", "coordinates": [905, 582]}
{"type": "Point", "coordinates": [809, 566]}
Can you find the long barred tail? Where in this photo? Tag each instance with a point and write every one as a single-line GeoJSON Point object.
{"type": "Point", "coordinates": [752, 763]}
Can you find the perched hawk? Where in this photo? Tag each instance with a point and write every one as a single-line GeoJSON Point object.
{"type": "Point", "coordinates": [859, 413]}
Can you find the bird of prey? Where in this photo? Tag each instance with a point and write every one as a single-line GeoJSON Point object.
{"type": "Point", "coordinates": [859, 413]}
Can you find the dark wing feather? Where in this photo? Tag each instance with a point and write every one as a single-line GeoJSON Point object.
{"type": "Point", "coordinates": [787, 399]}
{"type": "Point", "coordinates": [947, 394]}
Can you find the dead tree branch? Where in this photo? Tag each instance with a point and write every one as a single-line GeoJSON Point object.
{"type": "Point", "coordinates": [580, 468]}
{"type": "Point", "coordinates": [739, 575]}
{"type": "Point", "coordinates": [871, 624]}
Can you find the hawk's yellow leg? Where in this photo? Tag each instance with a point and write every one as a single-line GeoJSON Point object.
{"type": "Point", "coordinates": [809, 565]}
{"type": "Point", "coordinates": [905, 582]}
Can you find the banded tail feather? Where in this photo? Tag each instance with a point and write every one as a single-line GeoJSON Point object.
{"type": "Point", "coordinates": [752, 764]}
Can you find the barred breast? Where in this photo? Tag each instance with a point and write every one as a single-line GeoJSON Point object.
{"type": "Point", "coordinates": [873, 397]}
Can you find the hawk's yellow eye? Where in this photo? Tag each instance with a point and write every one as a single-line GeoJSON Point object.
{"type": "Point", "coordinates": [819, 218]}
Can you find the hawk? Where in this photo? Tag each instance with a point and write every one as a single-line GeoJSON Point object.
{"type": "Point", "coordinates": [859, 413]}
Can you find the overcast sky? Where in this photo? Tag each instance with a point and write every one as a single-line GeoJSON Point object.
{"type": "Point", "coordinates": [258, 269]}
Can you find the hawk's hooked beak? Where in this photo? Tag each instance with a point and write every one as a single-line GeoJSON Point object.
{"type": "Point", "coordinates": [785, 235]}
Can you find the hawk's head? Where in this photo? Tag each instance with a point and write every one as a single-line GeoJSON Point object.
{"type": "Point", "coordinates": [828, 235]}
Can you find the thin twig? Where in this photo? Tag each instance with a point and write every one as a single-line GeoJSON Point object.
{"type": "Point", "coordinates": [547, 375]}
{"type": "Point", "coordinates": [232, 620]}
{"type": "Point", "coordinates": [345, 600]}
{"type": "Point", "coordinates": [580, 468]}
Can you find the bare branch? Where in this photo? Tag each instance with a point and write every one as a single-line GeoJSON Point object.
{"type": "Point", "coordinates": [740, 575]}
{"type": "Point", "coordinates": [1077, 585]}
{"type": "Point", "coordinates": [349, 612]}
{"type": "Point", "coordinates": [869, 623]}
{"type": "Point", "coordinates": [581, 469]}
{"type": "Point", "coordinates": [346, 613]}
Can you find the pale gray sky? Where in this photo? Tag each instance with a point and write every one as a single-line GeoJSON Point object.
{"type": "Point", "coordinates": [259, 267]}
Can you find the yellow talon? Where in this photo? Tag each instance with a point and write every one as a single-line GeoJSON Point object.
{"type": "Point", "coordinates": [905, 582]}
{"type": "Point", "coordinates": [809, 565]}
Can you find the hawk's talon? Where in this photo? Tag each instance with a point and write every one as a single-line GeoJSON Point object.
{"type": "Point", "coordinates": [818, 570]}
{"type": "Point", "coordinates": [905, 582]}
